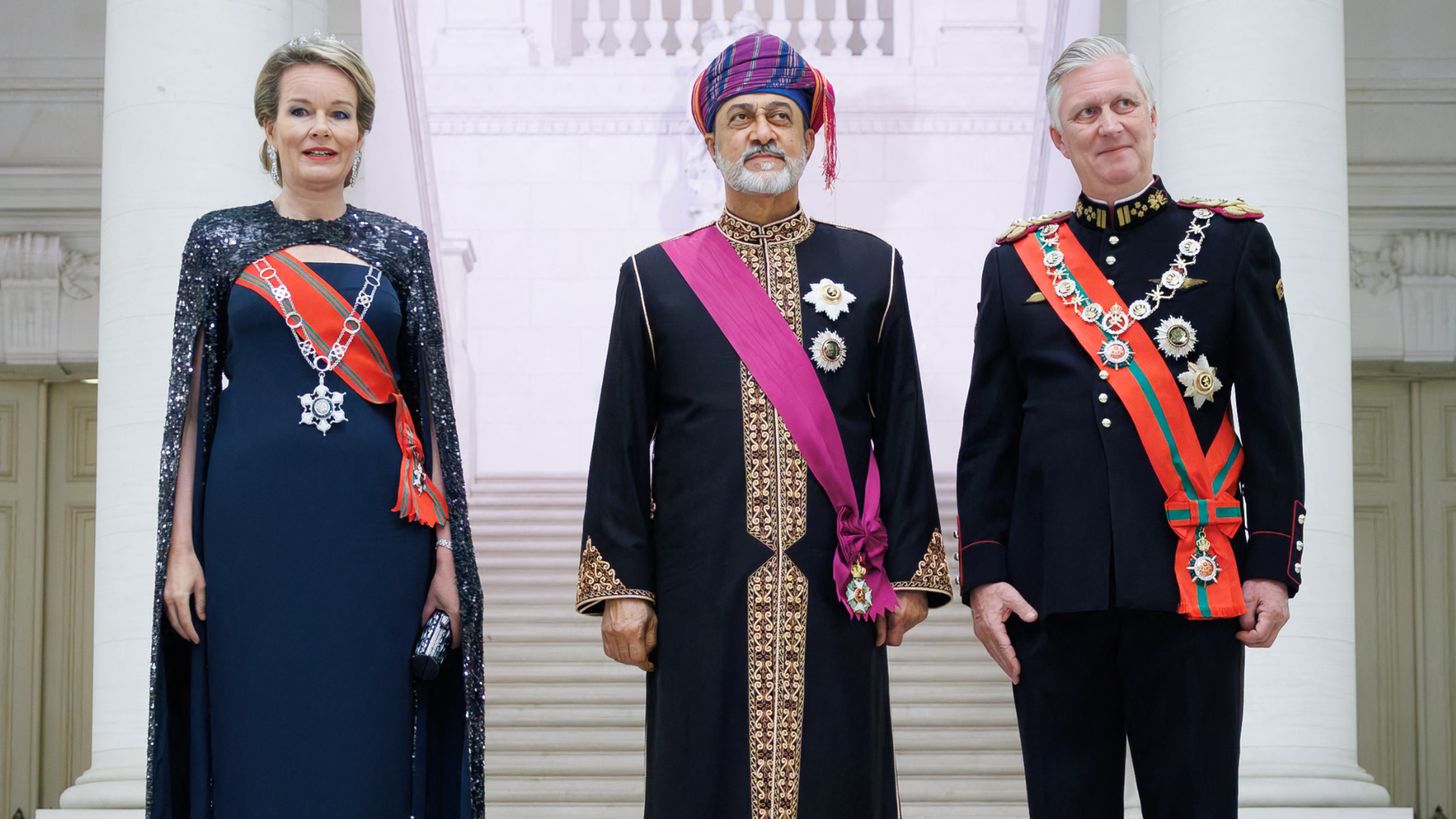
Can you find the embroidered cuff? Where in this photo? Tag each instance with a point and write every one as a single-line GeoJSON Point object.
{"type": "Point", "coordinates": [982, 561]}
{"type": "Point", "coordinates": [596, 583]}
{"type": "Point", "coordinates": [1278, 555]}
{"type": "Point", "coordinates": [932, 576]}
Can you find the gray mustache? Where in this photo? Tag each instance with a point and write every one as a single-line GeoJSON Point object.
{"type": "Point", "coordinates": [771, 150]}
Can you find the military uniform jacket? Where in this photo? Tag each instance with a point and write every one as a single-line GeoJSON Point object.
{"type": "Point", "coordinates": [767, 697]}
{"type": "Point", "coordinates": [1055, 491]}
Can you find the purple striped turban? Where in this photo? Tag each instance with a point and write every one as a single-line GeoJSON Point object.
{"type": "Point", "coordinates": [761, 63]}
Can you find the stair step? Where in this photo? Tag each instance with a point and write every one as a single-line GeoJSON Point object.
{"type": "Point", "coordinates": [564, 735]}
{"type": "Point", "coordinates": [633, 810]}
{"type": "Point", "coordinates": [630, 715]}
{"type": "Point", "coordinates": [527, 789]}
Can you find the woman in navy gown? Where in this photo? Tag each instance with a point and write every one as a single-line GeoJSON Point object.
{"type": "Point", "coordinates": [313, 511]}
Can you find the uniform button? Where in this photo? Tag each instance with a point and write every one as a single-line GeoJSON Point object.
{"type": "Point", "coordinates": [1112, 240]}
{"type": "Point", "coordinates": [1111, 283]}
{"type": "Point", "coordinates": [1298, 567]}
{"type": "Point", "coordinates": [1299, 545]}
{"type": "Point", "coordinates": [1102, 374]}
{"type": "Point", "coordinates": [1301, 520]}
{"type": "Point", "coordinates": [1112, 260]}
{"type": "Point", "coordinates": [1102, 397]}
{"type": "Point", "coordinates": [1106, 423]}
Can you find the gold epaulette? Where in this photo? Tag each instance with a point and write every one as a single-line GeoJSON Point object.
{"type": "Point", "coordinates": [1230, 208]}
{"type": "Point", "coordinates": [1021, 227]}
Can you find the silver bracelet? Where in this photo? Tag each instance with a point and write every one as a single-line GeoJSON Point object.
{"type": "Point", "coordinates": [444, 543]}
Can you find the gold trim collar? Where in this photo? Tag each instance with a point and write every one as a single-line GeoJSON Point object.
{"type": "Point", "coordinates": [794, 228]}
{"type": "Point", "coordinates": [1127, 213]}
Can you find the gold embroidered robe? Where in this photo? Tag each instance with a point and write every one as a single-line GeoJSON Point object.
{"type": "Point", "coordinates": [768, 701]}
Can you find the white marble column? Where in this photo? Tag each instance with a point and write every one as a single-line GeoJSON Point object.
{"type": "Point", "coordinates": [1251, 101]}
{"type": "Point", "coordinates": [179, 139]}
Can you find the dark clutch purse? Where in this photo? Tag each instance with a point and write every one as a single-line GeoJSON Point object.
{"type": "Point", "coordinates": [430, 648]}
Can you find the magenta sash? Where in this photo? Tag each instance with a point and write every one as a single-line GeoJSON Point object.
{"type": "Point", "coordinates": [777, 360]}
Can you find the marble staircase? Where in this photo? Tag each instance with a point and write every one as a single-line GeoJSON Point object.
{"type": "Point", "coordinates": [564, 723]}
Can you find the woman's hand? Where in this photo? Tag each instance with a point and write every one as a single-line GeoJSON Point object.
{"type": "Point", "coordinates": [444, 594]}
{"type": "Point", "coordinates": [184, 582]}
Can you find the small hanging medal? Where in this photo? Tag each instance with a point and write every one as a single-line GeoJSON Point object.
{"type": "Point", "coordinates": [1115, 353]}
{"type": "Point", "coordinates": [323, 408]}
{"type": "Point", "coordinates": [857, 592]}
{"type": "Point", "coordinates": [1203, 567]}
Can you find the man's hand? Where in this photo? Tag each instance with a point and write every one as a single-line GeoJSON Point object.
{"type": "Point", "coordinates": [629, 631]}
{"type": "Point", "coordinates": [1267, 602]}
{"type": "Point", "coordinates": [992, 604]}
{"type": "Point", "coordinates": [911, 609]}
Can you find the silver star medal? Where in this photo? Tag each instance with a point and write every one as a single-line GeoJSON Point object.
{"type": "Point", "coordinates": [827, 350]}
{"type": "Point", "coordinates": [829, 298]}
{"type": "Point", "coordinates": [323, 408]}
{"type": "Point", "coordinates": [1176, 337]}
{"type": "Point", "coordinates": [1200, 382]}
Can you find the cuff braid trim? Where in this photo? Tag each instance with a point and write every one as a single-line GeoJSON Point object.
{"type": "Point", "coordinates": [933, 575]}
{"type": "Point", "coordinates": [596, 581]}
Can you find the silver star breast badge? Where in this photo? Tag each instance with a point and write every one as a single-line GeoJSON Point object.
{"type": "Point", "coordinates": [1200, 382]}
{"type": "Point", "coordinates": [830, 298]}
{"type": "Point", "coordinates": [1176, 337]}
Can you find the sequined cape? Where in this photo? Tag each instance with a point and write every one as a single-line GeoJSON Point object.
{"type": "Point", "coordinates": [221, 244]}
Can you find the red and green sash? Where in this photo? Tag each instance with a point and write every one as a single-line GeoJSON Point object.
{"type": "Point", "coordinates": [1200, 485]}
{"type": "Point", "coordinates": [365, 368]}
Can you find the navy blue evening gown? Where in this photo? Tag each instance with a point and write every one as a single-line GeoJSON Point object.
{"type": "Point", "coordinates": [314, 587]}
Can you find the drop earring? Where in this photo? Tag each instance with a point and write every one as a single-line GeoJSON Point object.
{"type": "Point", "coordinates": [354, 173]}
{"type": "Point", "coordinates": [273, 165]}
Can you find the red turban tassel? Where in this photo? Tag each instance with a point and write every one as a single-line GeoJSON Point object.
{"type": "Point", "coordinates": [824, 97]}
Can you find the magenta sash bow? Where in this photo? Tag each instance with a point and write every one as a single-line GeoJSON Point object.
{"type": "Point", "coordinates": [777, 360]}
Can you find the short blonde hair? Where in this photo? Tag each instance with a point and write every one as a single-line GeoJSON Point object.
{"type": "Point", "coordinates": [317, 49]}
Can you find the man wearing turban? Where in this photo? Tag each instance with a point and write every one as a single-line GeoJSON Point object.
{"type": "Point", "coordinates": [761, 519]}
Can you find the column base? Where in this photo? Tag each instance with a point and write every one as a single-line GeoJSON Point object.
{"type": "Point", "coordinates": [1283, 813]}
{"type": "Point", "coordinates": [110, 791]}
{"type": "Point", "coordinates": [1325, 813]}
{"type": "Point", "coordinates": [89, 813]}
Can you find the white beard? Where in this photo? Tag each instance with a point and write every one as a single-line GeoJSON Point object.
{"type": "Point", "coordinates": [766, 183]}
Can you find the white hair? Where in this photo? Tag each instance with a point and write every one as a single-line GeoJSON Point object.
{"type": "Point", "coordinates": [770, 183]}
{"type": "Point", "coordinates": [1082, 53]}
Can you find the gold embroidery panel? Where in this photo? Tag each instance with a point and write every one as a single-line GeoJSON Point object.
{"type": "Point", "coordinates": [776, 487]}
{"type": "Point", "coordinates": [778, 619]}
{"type": "Point", "coordinates": [933, 574]}
{"type": "Point", "coordinates": [776, 479]}
{"type": "Point", "coordinates": [596, 580]}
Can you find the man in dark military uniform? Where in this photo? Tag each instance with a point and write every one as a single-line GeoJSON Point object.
{"type": "Point", "coordinates": [725, 555]}
{"type": "Point", "coordinates": [1120, 546]}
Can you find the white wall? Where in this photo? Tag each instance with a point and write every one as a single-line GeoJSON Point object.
{"type": "Point", "coordinates": [933, 157]}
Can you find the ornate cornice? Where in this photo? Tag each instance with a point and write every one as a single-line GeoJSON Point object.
{"type": "Point", "coordinates": [50, 188]}
{"type": "Point", "coordinates": [50, 90]}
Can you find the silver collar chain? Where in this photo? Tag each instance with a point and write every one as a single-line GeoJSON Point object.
{"type": "Point", "coordinates": [322, 408]}
{"type": "Point", "coordinates": [1116, 352]}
